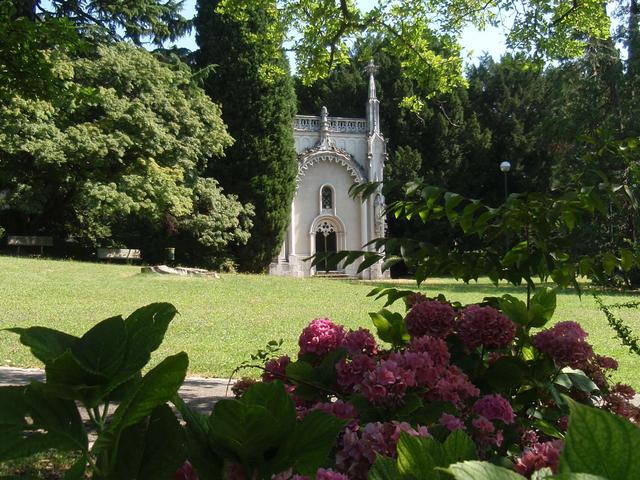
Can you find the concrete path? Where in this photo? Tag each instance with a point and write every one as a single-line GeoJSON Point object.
{"type": "Point", "coordinates": [198, 392]}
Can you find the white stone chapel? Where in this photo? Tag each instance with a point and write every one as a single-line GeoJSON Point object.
{"type": "Point", "coordinates": [335, 153]}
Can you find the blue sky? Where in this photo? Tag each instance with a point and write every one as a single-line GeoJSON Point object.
{"type": "Point", "coordinates": [474, 42]}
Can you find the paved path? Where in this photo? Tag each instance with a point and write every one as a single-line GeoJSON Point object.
{"type": "Point", "coordinates": [198, 392]}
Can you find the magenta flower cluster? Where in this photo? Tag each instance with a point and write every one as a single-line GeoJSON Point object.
{"type": "Point", "coordinates": [432, 318]}
{"type": "Point", "coordinates": [494, 407]}
{"type": "Point", "coordinates": [320, 337]}
{"type": "Point", "coordinates": [484, 326]}
{"type": "Point", "coordinates": [360, 341]}
{"type": "Point", "coordinates": [424, 365]}
{"type": "Point", "coordinates": [539, 456]}
{"type": "Point", "coordinates": [565, 343]}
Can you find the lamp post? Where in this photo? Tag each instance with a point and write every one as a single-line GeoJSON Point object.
{"type": "Point", "coordinates": [504, 168]}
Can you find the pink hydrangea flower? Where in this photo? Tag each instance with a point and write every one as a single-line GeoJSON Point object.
{"type": "Point", "coordinates": [320, 337]}
{"type": "Point", "coordinates": [359, 447]}
{"type": "Point", "coordinates": [350, 373]}
{"type": "Point", "coordinates": [360, 341]}
{"type": "Point", "coordinates": [414, 298]}
{"type": "Point", "coordinates": [387, 383]}
{"type": "Point", "coordinates": [339, 409]}
{"type": "Point", "coordinates": [451, 422]}
{"type": "Point", "coordinates": [186, 472]}
{"type": "Point", "coordinates": [606, 363]}
{"type": "Point", "coordinates": [529, 437]}
{"type": "Point", "coordinates": [485, 433]}
{"type": "Point", "coordinates": [328, 474]}
{"type": "Point", "coordinates": [494, 407]}
{"type": "Point", "coordinates": [435, 347]}
{"type": "Point", "coordinates": [453, 387]}
{"type": "Point", "coordinates": [484, 326]}
{"type": "Point", "coordinates": [539, 456]}
{"type": "Point", "coordinates": [565, 344]}
{"type": "Point", "coordinates": [431, 318]}
{"type": "Point", "coordinates": [275, 369]}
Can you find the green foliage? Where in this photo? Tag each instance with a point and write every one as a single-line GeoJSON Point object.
{"type": "Point", "coordinates": [420, 456]}
{"type": "Point", "coordinates": [599, 443]}
{"type": "Point", "coordinates": [535, 228]}
{"type": "Point", "coordinates": [121, 157]}
{"type": "Point", "coordinates": [260, 167]}
{"type": "Point", "coordinates": [102, 366]}
{"type": "Point", "coordinates": [390, 327]}
{"type": "Point", "coordinates": [424, 35]}
{"type": "Point", "coordinates": [623, 332]}
{"type": "Point", "coordinates": [107, 21]}
{"type": "Point", "coordinates": [260, 432]}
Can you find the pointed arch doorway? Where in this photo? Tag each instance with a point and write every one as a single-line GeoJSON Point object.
{"type": "Point", "coordinates": [327, 235]}
{"type": "Point", "coordinates": [326, 242]}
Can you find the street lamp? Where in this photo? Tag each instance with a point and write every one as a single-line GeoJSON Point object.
{"type": "Point", "coordinates": [504, 168]}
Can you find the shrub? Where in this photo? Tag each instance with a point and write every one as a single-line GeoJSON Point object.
{"type": "Point", "coordinates": [476, 371]}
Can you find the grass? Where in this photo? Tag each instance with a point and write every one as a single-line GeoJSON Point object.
{"type": "Point", "coordinates": [224, 320]}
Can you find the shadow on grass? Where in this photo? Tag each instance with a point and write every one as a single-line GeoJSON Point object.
{"type": "Point", "coordinates": [501, 289]}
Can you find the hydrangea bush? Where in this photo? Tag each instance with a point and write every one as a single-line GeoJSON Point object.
{"type": "Point", "coordinates": [478, 370]}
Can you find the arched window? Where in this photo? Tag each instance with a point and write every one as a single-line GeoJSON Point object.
{"type": "Point", "coordinates": [326, 198]}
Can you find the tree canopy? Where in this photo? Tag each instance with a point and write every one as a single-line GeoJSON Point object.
{"type": "Point", "coordinates": [129, 140]}
{"type": "Point", "coordinates": [424, 35]}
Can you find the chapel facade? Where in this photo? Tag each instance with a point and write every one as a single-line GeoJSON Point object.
{"type": "Point", "coordinates": [335, 153]}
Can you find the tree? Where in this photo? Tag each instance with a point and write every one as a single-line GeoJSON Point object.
{"type": "Point", "coordinates": [252, 83]}
{"type": "Point", "coordinates": [424, 35]}
{"type": "Point", "coordinates": [138, 21]}
{"type": "Point", "coordinates": [118, 158]}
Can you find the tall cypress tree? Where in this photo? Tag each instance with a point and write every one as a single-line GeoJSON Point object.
{"type": "Point", "coordinates": [251, 81]}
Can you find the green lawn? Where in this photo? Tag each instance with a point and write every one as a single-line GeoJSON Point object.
{"type": "Point", "coordinates": [223, 320]}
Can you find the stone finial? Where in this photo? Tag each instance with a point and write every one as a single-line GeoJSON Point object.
{"type": "Point", "coordinates": [373, 105]}
{"type": "Point", "coordinates": [372, 69]}
{"type": "Point", "coordinates": [326, 142]}
{"type": "Point", "coordinates": [324, 113]}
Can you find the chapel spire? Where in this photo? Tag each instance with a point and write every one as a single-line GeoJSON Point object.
{"type": "Point", "coordinates": [373, 105]}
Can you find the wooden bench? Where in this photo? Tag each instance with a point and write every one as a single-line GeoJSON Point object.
{"type": "Point", "coordinates": [29, 241]}
{"type": "Point", "coordinates": [118, 254]}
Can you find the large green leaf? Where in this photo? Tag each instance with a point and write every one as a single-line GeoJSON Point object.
{"type": "Point", "coordinates": [67, 378]}
{"type": "Point", "coordinates": [146, 328]}
{"type": "Point", "coordinates": [243, 433]}
{"type": "Point", "coordinates": [390, 327]}
{"type": "Point", "coordinates": [475, 470]}
{"type": "Point", "coordinates": [46, 344]}
{"type": "Point", "coordinates": [208, 463]}
{"type": "Point", "coordinates": [32, 421]}
{"type": "Point", "coordinates": [458, 447]}
{"type": "Point", "coordinates": [102, 349]}
{"type": "Point", "coordinates": [514, 308]}
{"type": "Point", "coordinates": [385, 468]}
{"type": "Point", "coordinates": [308, 446]}
{"type": "Point", "coordinates": [600, 443]}
{"type": "Point", "coordinates": [151, 450]}
{"type": "Point", "coordinates": [418, 456]}
{"type": "Point", "coordinates": [157, 387]}
{"type": "Point", "coordinates": [542, 307]}
{"type": "Point", "coordinates": [273, 397]}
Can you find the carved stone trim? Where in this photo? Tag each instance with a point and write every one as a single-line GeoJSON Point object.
{"type": "Point", "coordinates": [310, 157]}
{"type": "Point", "coordinates": [311, 123]}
